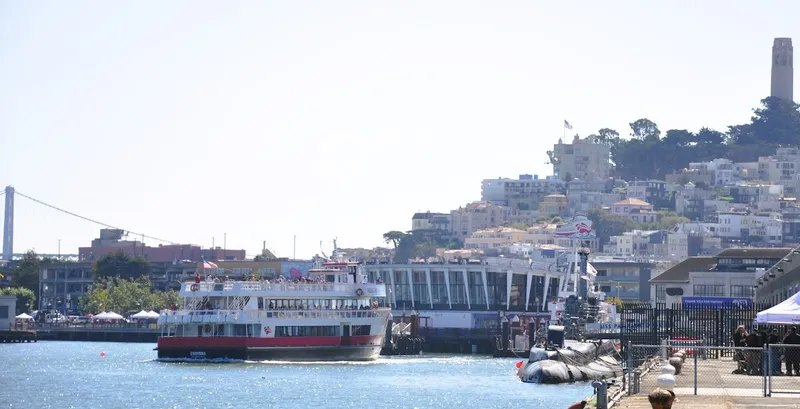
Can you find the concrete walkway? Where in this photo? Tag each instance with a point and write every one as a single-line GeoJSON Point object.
{"type": "Point", "coordinates": [708, 402]}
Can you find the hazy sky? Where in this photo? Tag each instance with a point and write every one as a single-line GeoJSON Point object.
{"type": "Point", "coordinates": [186, 120]}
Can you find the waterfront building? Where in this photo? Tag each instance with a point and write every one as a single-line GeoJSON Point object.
{"type": "Point", "coordinates": [730, 273]}
{"type": "Point", "coordinates": [780, 281]}
{"type": "Point", "coordinates": [470, 292]}
{"type": "Point", "coordinates": [114, 240]}
{"type": "Point", "coordinates": [8, 311]}
{"type": "Point", "coordinates": [626, 278]}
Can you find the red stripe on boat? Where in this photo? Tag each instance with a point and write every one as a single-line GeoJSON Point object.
{"type": "Point", "coordinates": [251, 342]}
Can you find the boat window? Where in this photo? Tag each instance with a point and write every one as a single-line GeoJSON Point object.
{"type": "Point", "coordinates": [260, 303]}
{"type": "Point", "coordinates": [308, 331]}
{"type": "Point", "coordinates": [330, 278]}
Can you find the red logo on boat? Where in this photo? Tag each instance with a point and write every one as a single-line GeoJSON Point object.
{"type": "Point", "coordinates": [267, 330]}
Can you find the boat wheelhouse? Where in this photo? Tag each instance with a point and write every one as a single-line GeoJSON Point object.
{"type": "Point", "coordinates": [334, 314]}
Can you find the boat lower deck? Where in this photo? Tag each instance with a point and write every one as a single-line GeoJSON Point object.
{"type": "Point", "coordinates": [355, 348]}
{"type": "Point", "coordinates": [295, 354]}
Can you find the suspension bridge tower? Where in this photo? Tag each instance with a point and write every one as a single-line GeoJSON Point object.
{"type": "Point", "coordinates": [8, 224]}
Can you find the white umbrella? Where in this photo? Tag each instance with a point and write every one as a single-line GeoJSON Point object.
{"type": "Point", "coordinates": [23, 316]}
{"type": "Point", "coordinates": [141, 315]}
{"type": "Point", "coordinates": [153, 314]}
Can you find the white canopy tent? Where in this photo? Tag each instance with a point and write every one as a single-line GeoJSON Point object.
{"type": "Point", "coordinates": [153, 315]}
{"type": "Point", "coordinates": [786, 313]}
{"type": "Point", "coordinates": [108, 316]}
{"type": "Point", "coordinates": [141, 315]}
{"type": "Point", "coordinates": [23, 316]}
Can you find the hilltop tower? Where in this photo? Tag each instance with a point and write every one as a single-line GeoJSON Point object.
{"type": "Point", "coordinates": [782, 69]}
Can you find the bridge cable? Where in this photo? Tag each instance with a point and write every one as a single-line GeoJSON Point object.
{"type": "Point", "coordinates": [91, 220]}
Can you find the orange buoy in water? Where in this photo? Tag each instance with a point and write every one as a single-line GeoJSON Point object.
{"type": "Point", "coordinates": [102, 355]}
{"type": "Point", "coordinates": [519, 364]}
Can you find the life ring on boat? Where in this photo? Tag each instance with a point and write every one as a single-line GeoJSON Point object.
{"type": "Point", "coordinates": [195, 287]}
{"type": "Point", "coordinates": [267, 331]}
{"type": "Point", "coordinates": [359, 292]}
{"type": "Point", "coordinates": [207, 328]}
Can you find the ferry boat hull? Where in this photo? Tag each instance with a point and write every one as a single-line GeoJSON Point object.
{"type": "Point", "coordinates": [365, 348]}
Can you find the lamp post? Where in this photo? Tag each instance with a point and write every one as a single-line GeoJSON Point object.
{"type": "Point", "coordinates": [583, 252]}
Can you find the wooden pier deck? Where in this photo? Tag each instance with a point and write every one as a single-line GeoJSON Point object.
{"type": "Point", "coordinates": [18, 336]}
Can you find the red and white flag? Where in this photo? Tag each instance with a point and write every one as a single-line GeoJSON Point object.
{"type": "Point", "coordinates": [209, 265]}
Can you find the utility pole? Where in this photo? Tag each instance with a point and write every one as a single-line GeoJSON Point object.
{"type": "Point", "coordinates": [294, 248]}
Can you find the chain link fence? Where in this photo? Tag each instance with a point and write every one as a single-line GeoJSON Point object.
{"type": "Point", "coordinates": [782, 369]}
{"type": "Point", "coordinates": [698, 369]}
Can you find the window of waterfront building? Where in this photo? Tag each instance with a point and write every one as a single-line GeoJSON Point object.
{"type": "Point", "coordinates": [709, 290]}
{"type": "Point", "coordinates": [519, 290]}
{"type": "Point", "coordinates": [661, 292]}
{"type": "Point", "coordinates": [741, 291]}
{"type": "Point", "coordinates": [458, 293]}
{"type": "Point", "coordinates": [420, 284]}
{"type": "Point", "coordinates": [496, 286]}
{"type": "Point", "coordinates": [475, 283]}
{"type": "Point", "coordinates": [402, 288]}
{"type": "Point", "coordinates": [438, 287]}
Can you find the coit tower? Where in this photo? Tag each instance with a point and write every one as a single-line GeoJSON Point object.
{"type": "Point", "coordinates": [782, 71]}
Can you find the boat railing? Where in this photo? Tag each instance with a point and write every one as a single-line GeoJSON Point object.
{"type": "Point", "coordinates": [229, 316]}
{"type": "Point", "coordinates": [284, 286]}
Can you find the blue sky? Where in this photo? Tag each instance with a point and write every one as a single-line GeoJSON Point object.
{"type": "Point", "coordinates": [186, 120]}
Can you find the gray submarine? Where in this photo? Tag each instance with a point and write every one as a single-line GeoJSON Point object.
{"type": "Point", "coordinates": [560, 361]}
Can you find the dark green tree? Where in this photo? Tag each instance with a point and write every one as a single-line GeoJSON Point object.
{"type": "Point", "coordinates": [606, 224]}
{"type": "Point", "coordinates": [646, 155]}
{"type": "Point", "coordinates": [120, 265]}
{"type": "Point", "coordinates": [644, 129]}
{"type": "Point", "coordinates": [394, 237]}
{"type": "Point", "coordinates": [26, 272]}
{"type": "Point", "coordinates": [26, 299]}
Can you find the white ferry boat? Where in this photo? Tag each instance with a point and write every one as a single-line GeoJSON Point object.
{"type": "Point", "coordinates": [334, 314]}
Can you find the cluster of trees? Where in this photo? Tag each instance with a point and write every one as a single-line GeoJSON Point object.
{"type": "Point", "coordinates": [125, 295]}
{"type": "Point", "coordinates": [26, 299]}
{"type": "Point", "coordinates": [607, 224]}
{"type": "Point", "coordinates": [121, 284]}
{"type": "Point", "coordinates": [648, 154]}
{"type": "Point", "coordinates": [419, 243]}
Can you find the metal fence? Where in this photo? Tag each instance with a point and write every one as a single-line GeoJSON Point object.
{"type": "Point", "coordinates": [712, 370]}
{"type": "Point", "coordinates": [644, 324]}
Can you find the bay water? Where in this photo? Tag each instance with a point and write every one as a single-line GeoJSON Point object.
{"type": "Point", "coordinates": [123, 375]}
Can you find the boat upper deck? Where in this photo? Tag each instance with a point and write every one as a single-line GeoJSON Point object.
{"type": "Point", "coordinates": [286, 289]}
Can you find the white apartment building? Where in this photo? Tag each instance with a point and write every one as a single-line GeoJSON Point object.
{"type": "Point", "coordinates": [722, 171]}
{"type": "Point", "coordinates": [523, 193]}
{"type": "Point", "coordinates": [637, 243]}
{"type": "Point", "coordinates": [741, 225]}
{"type": "Point", "coordinates": [636, 210]}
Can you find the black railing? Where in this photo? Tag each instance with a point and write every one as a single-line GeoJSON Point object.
{"type": "Point", "coordinates": [644, 324]}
